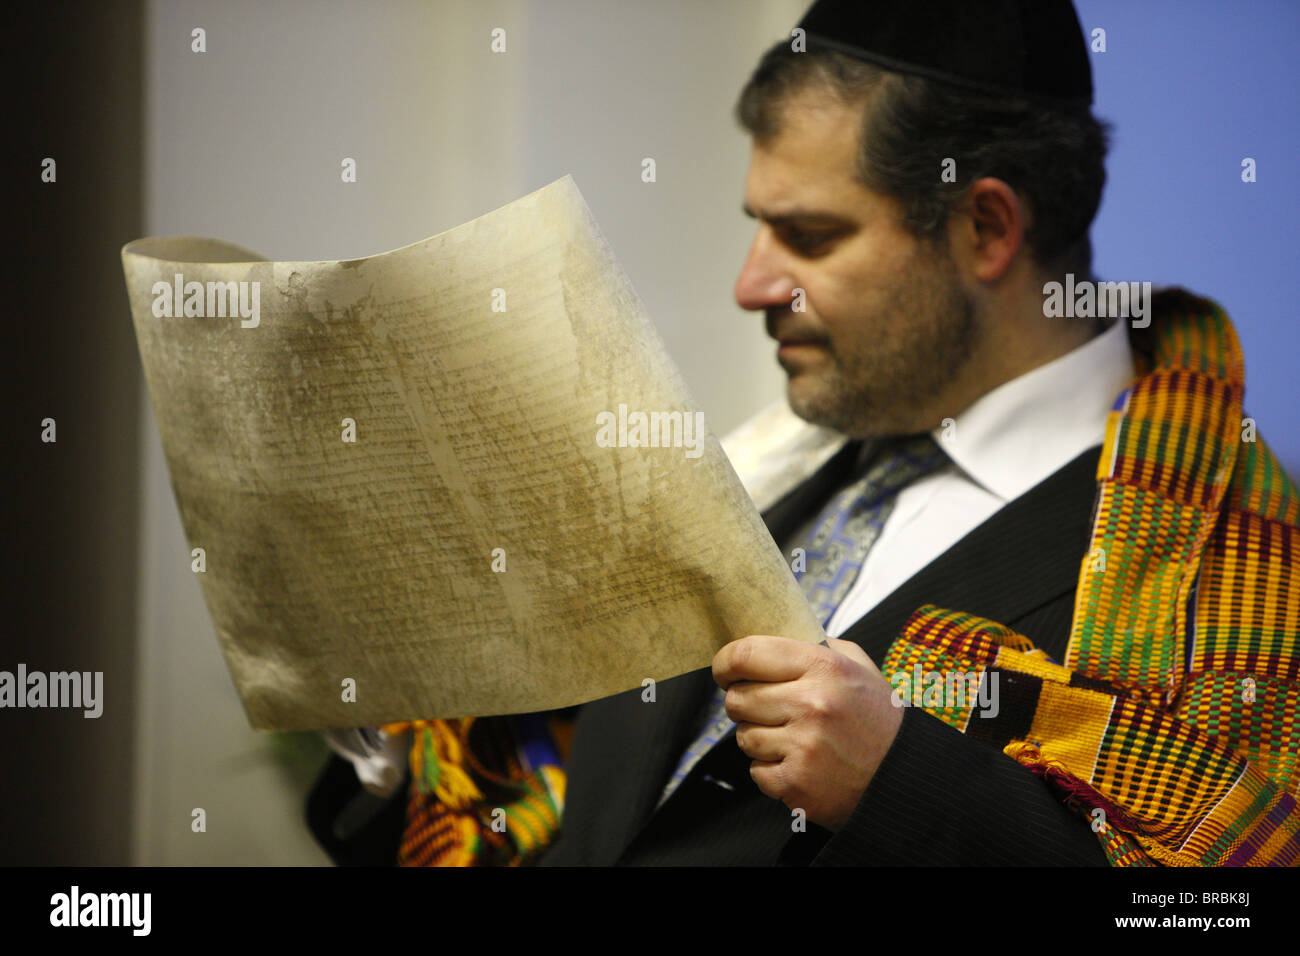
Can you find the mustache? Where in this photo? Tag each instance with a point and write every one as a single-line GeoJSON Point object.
{"type": "Point", "coordinates": [782, 325]}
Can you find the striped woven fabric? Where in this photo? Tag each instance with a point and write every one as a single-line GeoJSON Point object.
{"type": "Point", "coordinates": [471, 800]}
{"type": "Point", "coordinates": [1172, 723]}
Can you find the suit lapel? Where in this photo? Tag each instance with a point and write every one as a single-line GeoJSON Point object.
{"type": "Point", "coordinates": [1048, 528]}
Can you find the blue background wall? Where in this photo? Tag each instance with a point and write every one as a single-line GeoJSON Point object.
{"type": "Point", "coordinates": [1192, 88]}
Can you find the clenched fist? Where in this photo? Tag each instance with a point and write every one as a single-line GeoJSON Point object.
{"type": "Point", "coordinates": [816, 719]}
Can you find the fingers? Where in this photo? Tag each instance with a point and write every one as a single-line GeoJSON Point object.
{"type": "Point", "coordinates": [760, 743]}
{"type": "Point", "coordinates": [767, 704]}
{"type": "Point", "coordinates": [769, 776]}
{"type": "Point", "coordinates": [763, 657]}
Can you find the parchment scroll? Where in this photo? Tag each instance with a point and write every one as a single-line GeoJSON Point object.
{"type": "Point", "coordinates": [463, 475]}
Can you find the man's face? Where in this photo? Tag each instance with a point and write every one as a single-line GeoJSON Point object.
{"type": "Point", "coordinates": [886, 324]}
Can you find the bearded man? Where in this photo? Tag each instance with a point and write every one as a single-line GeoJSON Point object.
{"type": "Point", "coordinates": [1055, 562]}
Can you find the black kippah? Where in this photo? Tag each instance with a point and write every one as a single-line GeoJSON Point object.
{"type": "Point", "coordinates": [1030, 48]}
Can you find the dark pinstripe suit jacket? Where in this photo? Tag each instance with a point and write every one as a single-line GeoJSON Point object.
{"type": "Point", "coordinates": [938, 797]}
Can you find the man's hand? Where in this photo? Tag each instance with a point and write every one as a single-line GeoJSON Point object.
{"type": "Point", "coordinates": [817, 720]}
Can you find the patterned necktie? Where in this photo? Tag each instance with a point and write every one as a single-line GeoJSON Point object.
{"type": "Point", "coordinates": [849, 525]}
{"type": "Point", "coordinates": [841, 537]}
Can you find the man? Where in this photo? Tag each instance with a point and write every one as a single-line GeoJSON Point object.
{"type": "Point", "coordinates": [919, 178]}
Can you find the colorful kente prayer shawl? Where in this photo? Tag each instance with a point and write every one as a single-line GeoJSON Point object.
{"type": "Point", "coordinates": [473, 801]}
{"type": "Point", "coordinates": [1172, 724]}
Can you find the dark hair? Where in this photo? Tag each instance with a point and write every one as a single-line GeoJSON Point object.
{"type": "Point", "coordinates": [1051, 155]}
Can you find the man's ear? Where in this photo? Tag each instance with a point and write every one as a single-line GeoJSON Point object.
{"type": "Point", "coordinates": [995, 231]}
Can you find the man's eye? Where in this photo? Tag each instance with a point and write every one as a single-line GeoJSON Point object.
{"type": "Point", "coordinates": [807, 242]}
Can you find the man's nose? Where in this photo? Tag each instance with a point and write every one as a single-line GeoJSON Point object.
{"type": "Point", "coordinates": [764, 282]}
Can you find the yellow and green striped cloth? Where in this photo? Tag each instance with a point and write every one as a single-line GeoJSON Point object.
{"type": "Point", "coordinates": [1172, 723]}
{"type": "Point", "coordinates": [472, 800]}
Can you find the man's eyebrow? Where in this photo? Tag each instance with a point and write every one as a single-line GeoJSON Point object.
{"type": "Point", "coordinates": [801, 216]}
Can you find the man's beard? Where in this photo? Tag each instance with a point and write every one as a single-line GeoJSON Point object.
{"type": "Point", "coordinates": [928, 332]}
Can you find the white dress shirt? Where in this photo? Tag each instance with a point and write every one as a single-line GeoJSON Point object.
{"type": "Point", "coordinates": [1004, 444]}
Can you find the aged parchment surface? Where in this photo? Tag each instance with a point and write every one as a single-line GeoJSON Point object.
{"type": "Point", "coordinates": [476, 448]}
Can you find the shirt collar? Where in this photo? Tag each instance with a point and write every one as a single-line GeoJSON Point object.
{"type": "Point", "coordinates": [1018, 434]}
